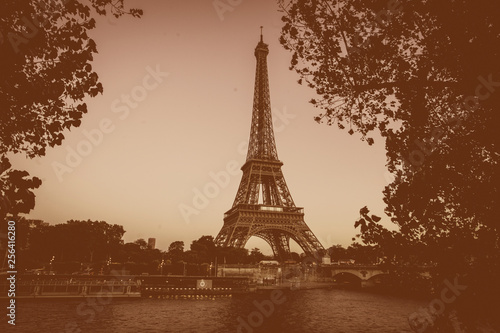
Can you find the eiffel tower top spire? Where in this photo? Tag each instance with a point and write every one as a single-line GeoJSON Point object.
{"type": "Point", "coordinates": [262, 145]}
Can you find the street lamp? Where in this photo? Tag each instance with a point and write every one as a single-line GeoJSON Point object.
{"type": "Point", "coordinates": [107, 265]}
{"type": "Point", "coordinates": [51, 261]}
{"type": "Point", "coordinates": [161, 266]}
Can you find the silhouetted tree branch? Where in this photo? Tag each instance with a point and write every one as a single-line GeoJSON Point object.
{"type": "Point", "coordinates": [46, 74]}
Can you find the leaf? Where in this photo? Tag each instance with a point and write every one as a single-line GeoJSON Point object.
{"type": "Point", "coordinates": [82, 107]}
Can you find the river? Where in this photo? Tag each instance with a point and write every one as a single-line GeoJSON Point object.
{"type": "Point", "coordinates": [319, 310]}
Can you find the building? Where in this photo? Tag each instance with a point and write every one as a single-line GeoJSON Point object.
{"type": "Point", "coordinates": [151, 243]}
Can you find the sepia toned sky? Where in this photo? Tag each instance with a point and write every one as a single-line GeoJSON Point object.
{"type": "Point", "coordinates": [173, 121]}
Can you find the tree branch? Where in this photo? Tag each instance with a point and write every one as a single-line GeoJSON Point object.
{"type": "Point", "coordinates": [399, 84]}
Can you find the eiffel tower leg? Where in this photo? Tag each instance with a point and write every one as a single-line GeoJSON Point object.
{"type": "Point", "coordinates": [278, 241]}
{"type": "Point", "coordinates": [269, 240]}
{"type": "Point", "coordinates": [308, 242]}
{"type": "Point", "coordinates": [229, 236]}
{"type": "Point", "coordinates": [284, 246]}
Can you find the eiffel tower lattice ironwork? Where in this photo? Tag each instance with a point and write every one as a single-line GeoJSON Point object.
{"type": "Point", "coordinates": [263, 206]}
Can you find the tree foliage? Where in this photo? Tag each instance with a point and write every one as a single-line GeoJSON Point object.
{"type": "Point", "coordinates": [46, 74]}
{"type": "Point", "coordinates": [83, 241]}
{"type": "Point", "coordinates": [361, 254]}
{"type": "Point", "coordinates": [15, 187]}
{"type": "Point", "coordinates": [425, 75]}
{"type": "Point", "coordinates": [204, 247]}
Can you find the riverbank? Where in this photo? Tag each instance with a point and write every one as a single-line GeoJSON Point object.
{"type": "Point", "coordinates": [162, 286]}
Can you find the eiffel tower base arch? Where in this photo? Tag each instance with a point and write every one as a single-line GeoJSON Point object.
{"type": "Point", "coordinates": [275, 225]}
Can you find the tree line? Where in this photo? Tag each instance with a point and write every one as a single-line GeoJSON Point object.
{"type": "Point", "coordinates": [98, 247]}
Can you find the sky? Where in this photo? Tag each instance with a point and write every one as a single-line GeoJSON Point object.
{"type": "Point", "coordinates": [157, 151]}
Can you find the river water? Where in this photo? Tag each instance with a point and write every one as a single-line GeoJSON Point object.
{"type": "Point", "coordinates": [330, 310]}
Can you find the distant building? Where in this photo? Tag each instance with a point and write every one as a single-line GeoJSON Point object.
{"type": "Point", "coordinates": [151, 243]}
{"type": "Point", "coordinates": [269, 262]}
{"type": "Point", "coordinates": [347, 262]}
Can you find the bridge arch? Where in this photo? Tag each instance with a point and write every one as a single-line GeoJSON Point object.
{"type": "Point", "coordinates": [364, 273]}
{"type": "Point", "coordinates": [347, 278]}
{"type": "Point", "coordinates": [347, 273]}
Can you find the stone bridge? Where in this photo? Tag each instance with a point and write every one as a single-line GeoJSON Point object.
{"type": "Point", "coordinates": [366, 273]}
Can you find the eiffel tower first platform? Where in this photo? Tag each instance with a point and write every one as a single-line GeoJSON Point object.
{"type": "Point", "coordinates": [263, 206]}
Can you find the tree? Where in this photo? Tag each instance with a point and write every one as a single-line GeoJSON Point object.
{"type": "Point", "coordinates": [337, 252]}
{"type": "Point", "coordinates": [15, 190]}
{"type": "Point", "coordinates": [176, 247]}
{"type": "Point", "coordinates": [425, 75]}
{"type": "Point", "coordinates": [142, 243]}
{"type": "Point", "coordinates": [74, 241]}
{"type": "Point", "coordinates": [25, 229]}
{"type": "Point", "coordinates": [132, 253]}
{"type": "Point", "coordinates": [232, 255]}
{"type": "Point", "coordinates": [256, 256]}
{"type": "Point", "coordinates": [46, 73]}
{"type": "Point", "coordinates": [176, 251]}
{"type": "Point", "coordinates": [205, 249]}
{"type": "Point", "coordinates": [363, 254]}
{"type": "Point", "coordinates": [98, 238]}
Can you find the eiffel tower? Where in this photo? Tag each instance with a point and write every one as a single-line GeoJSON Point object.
{"type": "Point", "coordinates": [263, 206]}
